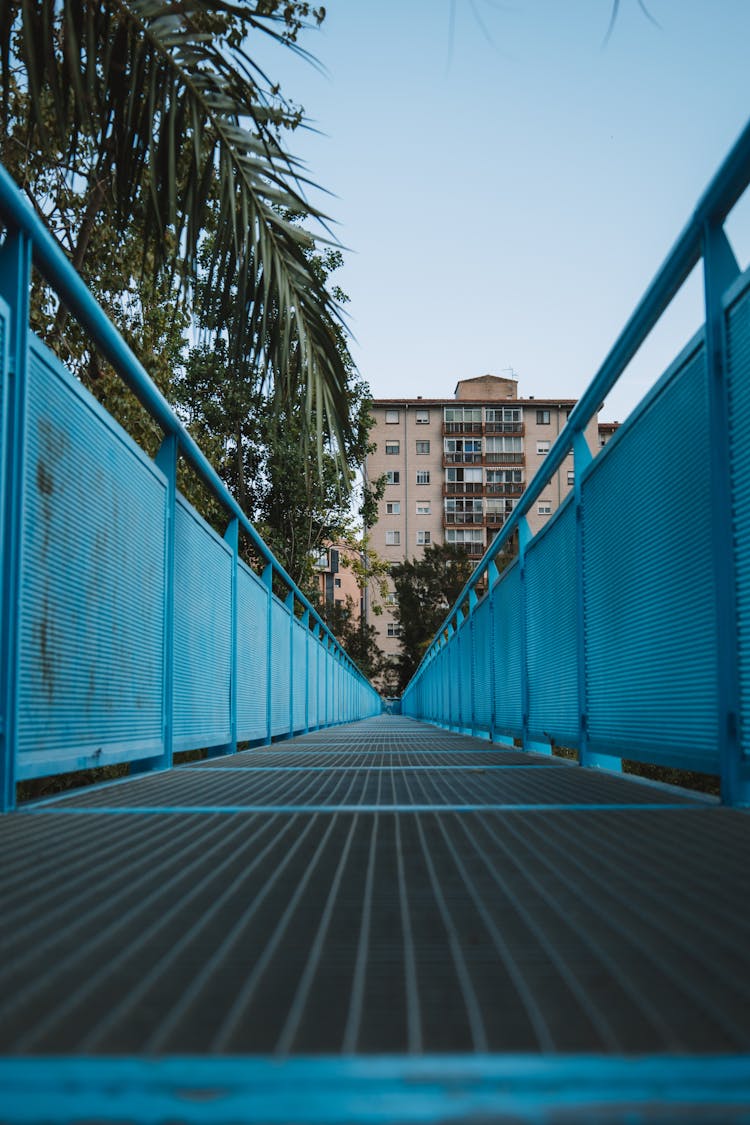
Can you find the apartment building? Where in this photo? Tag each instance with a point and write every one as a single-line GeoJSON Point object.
{"type": "Point", "coordinates": [456, 468]}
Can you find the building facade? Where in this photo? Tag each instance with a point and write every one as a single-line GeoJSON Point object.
{"type": "Point", "coordinates": [456, 467]}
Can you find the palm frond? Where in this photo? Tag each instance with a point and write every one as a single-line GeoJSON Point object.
{"type": "Point", "coordinates": [188, 126]}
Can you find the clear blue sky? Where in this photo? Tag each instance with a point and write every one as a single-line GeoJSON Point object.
{"type": "Point", "coordinates": [508, 185]}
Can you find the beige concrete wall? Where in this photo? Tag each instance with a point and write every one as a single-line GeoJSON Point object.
{"type": "Point", "coordinates": [407, 493]}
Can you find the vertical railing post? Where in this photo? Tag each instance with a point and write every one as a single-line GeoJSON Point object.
{"type": "Point", "coordinates": [268, 583]}
{"type": "Point", "coordinates": [232, 538]}
{"type": "Point", "coordinates": [720, 268]}
{"type": "Point", "coordinates": [290, 607]}
{"type": "Point", "coordinates": [583, 457]}
{"type": "Point", "coordinates": [15, 284]}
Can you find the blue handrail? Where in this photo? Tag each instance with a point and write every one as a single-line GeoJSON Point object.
{"type": "Point", "coordinates": [181, 646]}
{"type": "Point", "coordinates": [710, 697]}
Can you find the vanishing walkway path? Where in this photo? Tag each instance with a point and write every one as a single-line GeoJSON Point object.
{"type": "Point", "coordinates": [383, 887]}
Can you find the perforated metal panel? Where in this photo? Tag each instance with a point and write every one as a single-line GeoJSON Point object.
{"type": "Point", "coordinates": [649, 596]}
{"type": "Point", "coordinates": [507, 655]}
{"type": "Point", "coordinates": [252, 656]}
{"type": "Point", "coordinates": [91, 607]}
{"type": "Point", "coordinates": [738, 348]}
{"type": "Point", "coordinates": [551, 631]}
{"type": "Point", "coordinates": [4, 392]}
{"type": "Point", "coordinates": [481, 666]}
{"type": "Point", "coordinates": [299, 666]}
{"type": "Point", "coordinates": [465, 662]}
{"type": "Point", "coordinates": [313, 660]}
{"type": "Point", "coordinates": [202, 632]}
{"type": "Point", "coordinates": [322, 685]}
{"type": "Point", "coordinates": [280, 666]}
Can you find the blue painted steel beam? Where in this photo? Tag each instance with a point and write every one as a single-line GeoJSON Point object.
{"type": "Point", "coordinates": [15, 285]}
{"type": "Point", "coordinates": [379, 1089]}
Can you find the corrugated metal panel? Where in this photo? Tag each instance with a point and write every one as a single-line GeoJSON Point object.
{"type": "Point", "coordinates": [481, 669]}
{"type": "Point", "coordinates": [92, 594]}
{"type": "Point", "coordinates": [738, 331]}
{"type": "Point", "coordinates": [252, 656]}
{"type": "Point", "coordinates": [649, 596]}
{"type": "Point", "coordinates": [551, 631]}
{"type": "Point", "coordinates": [507, 656]}
{"type": "Point", "coordinates": [280, 650]}
{"type": "Point", "coordinates": [202, 632]}
{"type": "Point", "coordinates": [299, 654]}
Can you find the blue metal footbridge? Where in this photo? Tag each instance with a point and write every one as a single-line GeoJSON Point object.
{"type": "Point", "coordinates": [340, 915]}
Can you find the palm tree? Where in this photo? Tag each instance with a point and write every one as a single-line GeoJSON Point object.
{"type": "Point", "coordinates": [158, 110]}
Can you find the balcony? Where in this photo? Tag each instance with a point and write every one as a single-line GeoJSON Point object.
{"type": "Point", "coordinates": [462, 459]}
{"type": "Point", "coordinates": [504, 428]}
{"type": "Point", "coordinates": [452, 428]}
{"type": "Point", "coordinates": [463, 488]}
{"type": "Point", "coordinates": [496, 519]}
{"type": "Point", "coordinates": [473, 550]}
{"type": "Point", "coordinates": [462, 519]}
{"type": "Point", "coordinates": [504, 488]}
{"type": "Point", "coordinates": [505, 458]}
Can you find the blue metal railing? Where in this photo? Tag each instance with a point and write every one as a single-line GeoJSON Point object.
{"type": "Point", "coordinates": [130, 630]}
{"type": "Point", "coordinates": [622, 628]}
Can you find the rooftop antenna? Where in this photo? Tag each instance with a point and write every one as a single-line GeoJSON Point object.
{"type": "Point", "coordinates": [510, 371]}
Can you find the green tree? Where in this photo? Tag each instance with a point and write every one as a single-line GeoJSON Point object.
{"type": "Point", "coordinates": [151, 122]}
{"type": "Point", "coordinates": [426, 588]}
{"type": "Point", "coordinates": [357, 636]}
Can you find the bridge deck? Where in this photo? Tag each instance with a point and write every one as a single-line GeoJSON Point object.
{"type": "Point", "coordinates": [384, 887]}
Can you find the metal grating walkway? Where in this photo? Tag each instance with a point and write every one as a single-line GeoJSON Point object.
{"type": "Point", "coordinates": [384, 888]}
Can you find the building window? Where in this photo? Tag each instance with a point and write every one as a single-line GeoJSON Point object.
{"type": "Point", "coordinates": [464, 476]}
{"type": "Point", "coordinates": [423, 447]}
{"type": "Point", "coordinates": [393, 508]}
{"type": "Point", "coordinates": [392, 447]}
{"type": "Point", "coordinates": [337, 583]}
{"type": "Point", "coordinates": [393, 629]}
{"type": "Point", "coordinates": [392, 416]}
{"type": "Point", "coordinates": [542, 417]}
{"type": "Point", "coordinates": [464, 535]}
{"type": "Point", "coordinates": [393, 538]}
{"type": "Point", "coordinates": [542, 448]}
{"type": "Point", "coordinates": [423, 476]}
{"type": "Point", "coordinates": [544, 507]}
{"type": "Point", "coordinates": [463, 414]}
{"type": "Point", "coordinates": [423, 417]}
{"type": "Point", "coordinates": [571, 476]}
{"type": "Point", "coordinates": [502, 414]}
{"type": "Point", "coordinates": [392, 477]}
{"type": "Point", "coordinates": [423, 509]}
{"type": "Point", "coordinates": [423, 538]}
{"type": "Point", "coordinates": [391, 599]}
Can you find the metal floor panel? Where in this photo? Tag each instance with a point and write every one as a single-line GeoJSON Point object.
{"type": "Point", "coordinates": [398, 759]}
{"type": "Point", "coordinates": [474, 786]}
{"type": "Point", "coordinates": [585, 931]}
{"type": "Point", "coordinates": [362, 926]}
